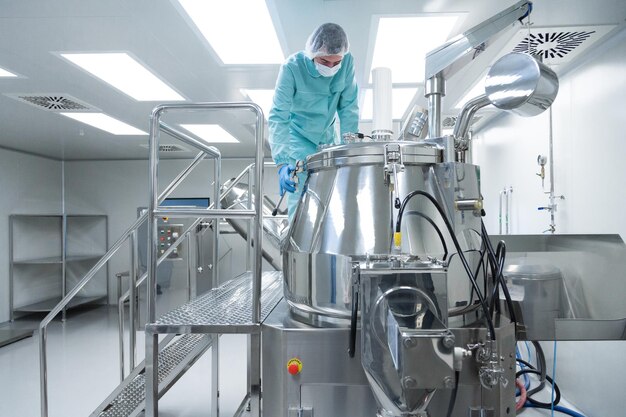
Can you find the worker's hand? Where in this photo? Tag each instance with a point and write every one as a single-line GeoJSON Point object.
{"type": "Point", "coordinates": [285, 173]}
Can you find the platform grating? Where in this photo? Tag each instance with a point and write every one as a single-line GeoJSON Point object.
{"type": "Point", "coordinates": [131, 400]}
{"type": "Point", "coordinates": [228, 305]}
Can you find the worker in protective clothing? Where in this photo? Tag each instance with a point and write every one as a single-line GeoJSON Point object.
{"type": "Point", "coordinates": [314, 86]}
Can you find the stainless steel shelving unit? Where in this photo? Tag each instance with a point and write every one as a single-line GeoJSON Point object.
{"type": "Point", "coordinates": [47, 252]}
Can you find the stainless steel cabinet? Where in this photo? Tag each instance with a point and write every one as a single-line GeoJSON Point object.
{"type": "Point", "coordinates": [49, 254]}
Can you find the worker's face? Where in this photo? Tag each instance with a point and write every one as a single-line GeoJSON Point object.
{"type": "Point", "coordinates": [329, 60]}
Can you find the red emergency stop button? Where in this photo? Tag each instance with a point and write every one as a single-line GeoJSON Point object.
{"type": "Point", "coordinates": [294, 366]}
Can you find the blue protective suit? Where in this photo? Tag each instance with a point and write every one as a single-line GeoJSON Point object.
{"type": "Point", "coordinates": [304, 111]}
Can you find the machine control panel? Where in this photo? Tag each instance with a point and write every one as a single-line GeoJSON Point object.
{"type": "Point", "coordinates": [168, 233]}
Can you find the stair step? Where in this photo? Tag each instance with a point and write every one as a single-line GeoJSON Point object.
{"type": "Point", "coordinates": [128, 399]}
{"type": "Point", "coordinates": [226, 309]}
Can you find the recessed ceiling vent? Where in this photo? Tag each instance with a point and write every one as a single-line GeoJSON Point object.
{"type": "Point", "coordinates": [169, 148]}
{"type": "Point", "coordinates": [556, 45]}
{"type": "Point", "coordinates": [551, 45]}
{"type": "Point", "coordinates": [54, 102]}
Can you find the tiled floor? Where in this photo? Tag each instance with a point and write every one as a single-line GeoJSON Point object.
{"type": "Point", "coordinates": [83, 370]}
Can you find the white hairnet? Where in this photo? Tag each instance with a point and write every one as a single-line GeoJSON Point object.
{"type": "Point", "coordinates": [328, 39]}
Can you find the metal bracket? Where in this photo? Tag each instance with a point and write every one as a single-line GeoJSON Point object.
{"type": "Point", "coordinates": [393, 165]}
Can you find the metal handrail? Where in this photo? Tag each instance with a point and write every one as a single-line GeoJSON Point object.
{"type": "Point", "coordinates": [151, 361]}
{"type": "Point", "coordinates": [122, 299]}
{"type": "Point", "coordinates": [43, 360]}
{"type": "Point", "coordinates": [155, 126]}
{"type": "Point", "coordinates": [128, 294]}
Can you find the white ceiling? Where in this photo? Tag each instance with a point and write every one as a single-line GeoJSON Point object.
{"type": "Point", "coordinates": [33, 32]}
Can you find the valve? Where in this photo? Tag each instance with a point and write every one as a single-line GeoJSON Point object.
{"type": "Point", "coordinates": [542, 160]}
{"type": "Point", "coordinates": [491, 373]}
{"type": "Point", "coordinates": [393, 165]}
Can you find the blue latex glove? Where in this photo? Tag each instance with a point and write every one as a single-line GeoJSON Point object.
{"type": "Point", "coordinates": [284, 179]}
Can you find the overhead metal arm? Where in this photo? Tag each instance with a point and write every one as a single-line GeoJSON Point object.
{"type": "Point", "coordinates": [439, 59]}
{"type": "Point", "coordinates": [445, 60]}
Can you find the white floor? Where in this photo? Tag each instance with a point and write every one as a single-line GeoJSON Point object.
{"type": "Point", "coordinates": [83, 370]}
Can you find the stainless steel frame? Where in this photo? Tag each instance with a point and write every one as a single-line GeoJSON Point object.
{"type": "Point", "coordinates": [130, 233]}
{"type": "Point", "coordinates": [447, 59]}
{"type": "Point", "coordinates": [63, 259]}
{"type": "Point", "coordinates": [154, 212]}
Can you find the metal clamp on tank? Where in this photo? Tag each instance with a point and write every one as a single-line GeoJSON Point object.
{"type": "Point", "coordinates": [475, 205]}
{"type": "Point", "coordinates": [393, 165]}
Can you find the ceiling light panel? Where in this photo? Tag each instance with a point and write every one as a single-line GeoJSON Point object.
{"type": "Point", "coordinates": [264, 98]}
{"type": "Point", "coordinates": [126, 74]}
{"type": "Point", "coordinates": [221, 23]}
{"type": "Point", "coordinates": [403, 42]}
{"type": "Point", "coordinates": [210, 133]}
{"type": "Point", "coordinates": [400, 100]}
{"type": "Point", "coordinates": [5, 73]}
{"type": "Point", "coordinates": [106, 123]}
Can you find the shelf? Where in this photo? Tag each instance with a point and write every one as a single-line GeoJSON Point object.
{"type": "Point", "coordinates": [50, 254]}
{"type": "Point", "coordinates": [49, 304]}
{"type": "Point", "coordinates": [57, 260]}
{"type": "Point", "coordinates": [50, 260]}
{"type": "Point", "coordinates": [82, 258]}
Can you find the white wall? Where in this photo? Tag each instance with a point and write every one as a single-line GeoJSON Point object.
{"type": "Point", "coordinates": [589, 150]}
{"type": "Point", "coordinates": [29, 185]}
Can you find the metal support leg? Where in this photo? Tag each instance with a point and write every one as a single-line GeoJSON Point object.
{"type": "Point", "coordinates": [249, 223]}
{"type": "Point", "coordinates": [64, 264]}
{"type": "Point", "coordinates": [132, 305]}
{"type": "Point", "coordinates": [152, 340]}
{"type": "Point", "coordinates": [189, 266]}
{"type": "Point", "coordinates": [120, 325]}
{"type": "Point", "coordinates": [215, 376]}
{"type": "Point", "coordinates": [255, 375]}
{"type": "Point", "coordinates": [152, 374]}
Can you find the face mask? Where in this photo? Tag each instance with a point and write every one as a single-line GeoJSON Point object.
{"type": "Point", "coordinates": [327, 71]}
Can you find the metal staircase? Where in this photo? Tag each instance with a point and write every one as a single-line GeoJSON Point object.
{"type": "Point", "coordinates": [239, 306]}
{"type": "Point", "coordinates": [228, 307]}
{"type": "Point", "coordinates": [177, 355]}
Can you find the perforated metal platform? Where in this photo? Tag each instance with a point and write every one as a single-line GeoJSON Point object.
{"type": "Point", "coordinates": [227, 309]}
{"type": "Point", "coordinates": [128, 400]}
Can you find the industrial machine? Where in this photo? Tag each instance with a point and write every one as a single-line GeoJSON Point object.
{"type": "Point", "coordinates": [386, 309]}
{"type": "Point", "coordinates": [394, 301]}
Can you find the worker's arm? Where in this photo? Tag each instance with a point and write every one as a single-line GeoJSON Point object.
{"type": "Point", "coordinates": [279, 117]}
{"type": "Point", "coordinates": [348, 106]}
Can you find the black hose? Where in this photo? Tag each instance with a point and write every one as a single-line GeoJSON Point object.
{"type": "Point", "coordinates": [541, 365]}
{"type": "Point", "coordinates": [429, 220]}
{"type": "Point", "coordinates": [457, 375]}
{"type": "Point", "coordinates": [505, 288]}
{"type": "Point", "coordinates": [483, 303]}
{"type": "Point", "coordinates": [497, 266]}
{"type": "Point", "coordinates": [557, 391]}
{"type": "Point", "coordinates": [353, 319]}
{"type": "Point", "coordinates": [470, 306]}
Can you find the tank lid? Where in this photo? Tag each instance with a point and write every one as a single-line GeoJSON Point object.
{"type": "Point", "coordinates": [368, 153]}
